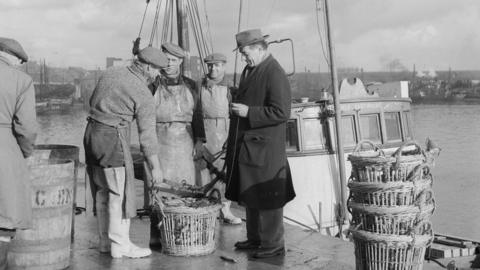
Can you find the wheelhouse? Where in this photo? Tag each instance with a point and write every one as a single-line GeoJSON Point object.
{"type": "Point", "coordinates": [379, 113]}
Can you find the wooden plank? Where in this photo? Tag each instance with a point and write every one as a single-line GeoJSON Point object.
{"type": "Point", "coordinates": [439, 251]}
{"type": "Point", "coordinates": [452, 237]}
{"type": "Point", "coordinates": [449, 242]}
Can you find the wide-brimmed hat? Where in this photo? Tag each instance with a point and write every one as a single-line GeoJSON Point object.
{"type": "Point", "coordinates": [173, 49]}
{"type": "Point", "coordinates": [249, 37]}
{"type": "Point", "coordinates": [153, 56]}
{"type": "Point", "coordinates": [14, 48]}
{"type": "Point", "coordinates": [215, 58]}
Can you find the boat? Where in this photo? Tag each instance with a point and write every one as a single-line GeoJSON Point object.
{"type": "Point", "coordinates": [322, 132]}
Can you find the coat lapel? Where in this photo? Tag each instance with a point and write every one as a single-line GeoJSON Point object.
{"type": "Point", "coordinates": [249, 80]}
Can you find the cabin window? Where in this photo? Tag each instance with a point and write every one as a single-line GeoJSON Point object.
{"type": "Point", "coordinates": [292, 136]}
{"type": "Point", "coordinates": [348, 131]}
{"type": "Point", "coordinates": [370, 127]}
{"type": "Point", "coordinates": [406, 125]}
{"type": "Point", "coordinates": [393, 127]}
{"type": "Point", "coordinates": [314, 134]}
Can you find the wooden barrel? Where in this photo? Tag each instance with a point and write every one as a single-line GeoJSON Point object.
{"type": "Point", "coordinates": [47, 244]}
{"type": "Point", "coordinates": [45, 152]}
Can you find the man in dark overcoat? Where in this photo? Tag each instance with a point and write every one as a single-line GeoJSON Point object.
{"type": "Point", "coordinates": [257, 169]}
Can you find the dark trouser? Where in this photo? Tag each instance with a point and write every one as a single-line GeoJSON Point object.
{"type": "Point", "coordinates": [3, 254]}
{"type": "Point", "coordinates": [4, 247]}
{"type": "Point", "coordinates": [265, 227]}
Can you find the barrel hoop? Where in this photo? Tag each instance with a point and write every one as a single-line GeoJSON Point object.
{"type": "Point", "coordinates": [52, 212]}
{"type": "Point", "coordinates": [36, 246]}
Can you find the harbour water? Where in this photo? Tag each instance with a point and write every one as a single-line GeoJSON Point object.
{"type": "Point", "coordinates": [454, 127]}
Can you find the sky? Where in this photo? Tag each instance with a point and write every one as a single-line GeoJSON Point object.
{"type": "Point", "coordinates": [376, 35]}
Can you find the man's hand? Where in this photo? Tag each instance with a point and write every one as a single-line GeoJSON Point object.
{"type": "Point", "coordinates": [239, 109]}
{"type": "Point", "coordinates": [157, 176]}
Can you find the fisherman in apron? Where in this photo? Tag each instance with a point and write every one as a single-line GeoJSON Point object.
{"type": "Point", "coordinates": [215, 97]}
{"type": "Point", "coordinates": [120, 97]}
{"type": "Point", "coordinates": [179, 126]}
{"type": "Point", "coordinates": [18, 128]}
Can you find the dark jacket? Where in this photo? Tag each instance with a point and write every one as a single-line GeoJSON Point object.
{"type": "Point", "coordinates": [258, 174]}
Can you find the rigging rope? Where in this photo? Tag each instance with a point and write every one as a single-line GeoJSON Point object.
{"type": "Point", "coordinates": [236, 51]}
{"type": "Point", "coordinates": [155, 23]}
{"type": "Point", "coordinates": [317, 10]}
{"type": "Point", "coordinates": [209, 34]}
{"type": "Point", "coordinates": [270, 12]}
{"type": "Point", "coordinates": [143, 19]}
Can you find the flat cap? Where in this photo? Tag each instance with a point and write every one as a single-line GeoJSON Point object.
{"type": "Point", "coordinates": [173, 49]}
{"type": "Point", "coordinates": [215, 58]}
{"type": "Point", "coordinates": [153, 56]}
{"type": "Point", "coordinates": [14, 48]}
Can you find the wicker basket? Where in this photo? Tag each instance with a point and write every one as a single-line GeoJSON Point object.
{"type": "Point", "coordinates": [388, 194]}
{"type": "Point", "coordinates": [377, 167]}
{"type": "Point", "coordinates": [399, 220]}
{"type": "Point", "coordinates": [187, 231]}
{"type": "Point", "coordinates": [383, 252]}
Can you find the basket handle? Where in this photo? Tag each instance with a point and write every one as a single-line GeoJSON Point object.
{"type": "Point", "coordinates": [398, 153]}
{"type": "Point", "coordinates": [423, 194]}
{"type": "Point", "coordinates": [217, 198]}
{"type": "Point", "coordinates": [419, 170]}
{"type": "Point", "coordinates": [415, 231]}
{"type": "Point", "coordinates": [374, 147]}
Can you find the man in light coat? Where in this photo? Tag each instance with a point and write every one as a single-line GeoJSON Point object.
{"type": "Point", "coordinates": [18, 129]}
{"type": "Point", "coordinates": [257, 169]}
{"type": "Point", "coordinates": [215, 97]}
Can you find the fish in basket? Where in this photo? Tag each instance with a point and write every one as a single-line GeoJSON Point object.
{"type": "Point", "coordinates": [187, 220]}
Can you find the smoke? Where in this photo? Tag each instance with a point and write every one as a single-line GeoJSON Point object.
{"type": "Point", "coordinates": [392, 65]}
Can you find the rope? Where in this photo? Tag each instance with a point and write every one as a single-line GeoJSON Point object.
{"type": "Point", "coordinates": [209, 34]}
{"type": "Point", "coordinates": [236, 51]}
{"type": "Point", "coordinates": [143, 19]}
{"type": "Point", "coordinates": [155, 23]}
{"type": "Point", "coordinates": [270, 12]}
{"type": "Point", "coordinates": [317, 10]}
{"type": "Point", "coordinates": [166, 21]}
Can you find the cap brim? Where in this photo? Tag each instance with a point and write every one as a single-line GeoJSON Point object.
{"type": "Point", "coordinates": [251, 42]}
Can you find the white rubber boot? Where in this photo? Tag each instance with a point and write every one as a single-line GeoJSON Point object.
{"type": "Point", "coordinates": [118, 227]}
{"type": "Point", "coordinates": [227, 215]}
{"type": "Point", "coordinates": [127, 248]}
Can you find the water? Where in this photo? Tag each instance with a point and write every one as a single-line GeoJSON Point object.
{"type": "Point", "coordinates": [455, 128]}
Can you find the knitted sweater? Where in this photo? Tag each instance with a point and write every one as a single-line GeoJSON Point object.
{"type": "Point", "coordinates": [122, 95]}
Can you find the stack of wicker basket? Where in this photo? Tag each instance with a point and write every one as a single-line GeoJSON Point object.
{"type": "Point", "coordinates": [391, 202]}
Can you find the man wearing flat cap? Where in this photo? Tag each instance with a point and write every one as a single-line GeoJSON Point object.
{"type": "Point", "coordinates": [179, 126]}
{"type": "Point", "coordinates": [215, 97]}
{"type": "Point", "coordinates": [120, 97]}
{"type": "Point", "coordinates": [257, 169]}
{"type": "Point", "coordinates": [18, 127]}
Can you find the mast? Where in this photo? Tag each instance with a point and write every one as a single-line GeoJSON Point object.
{"type": "Point", "coordinates": [183, 41]}
{"type": "Point", "coordinates": [338, 128]}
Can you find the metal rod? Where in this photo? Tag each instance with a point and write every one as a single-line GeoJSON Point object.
{"type": "Point", "coordinates": [299, 223]}
{"type": "Point", "coordinates": [338, 128]}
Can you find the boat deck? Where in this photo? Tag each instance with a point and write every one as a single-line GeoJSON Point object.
{"type": "Point", "coordinates": [305, 249]}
